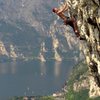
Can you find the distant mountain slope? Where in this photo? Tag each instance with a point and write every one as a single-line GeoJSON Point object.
{"type": "Point", "coordinates": [30, 26]}
{"type": "Point", "coordinates": [35, 12]}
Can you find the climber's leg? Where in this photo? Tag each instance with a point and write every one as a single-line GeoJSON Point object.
{"type": "Point", "coordinates": [72, 22]}
{"type": "Point", "coordinates": [75, 27]}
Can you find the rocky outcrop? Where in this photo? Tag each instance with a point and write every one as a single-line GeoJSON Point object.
{"type": "Point", "coordinates": [6, 53]}
{"type": "Point", "coordinates": [88, 20]}
{"type": "Point", "coordinates": [13, 54]}
{"type": "Point", "coordinates": [84, 84]}
{"type": "Point", "coordinates": [3, 50]}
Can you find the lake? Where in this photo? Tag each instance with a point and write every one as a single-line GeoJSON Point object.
{"type": "Point", "coordinates": [33, 78]}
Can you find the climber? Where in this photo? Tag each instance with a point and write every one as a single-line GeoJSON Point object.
{"type": "Point", "coordinates": [68, 21]}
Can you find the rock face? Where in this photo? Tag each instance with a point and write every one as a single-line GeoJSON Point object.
{"type": "Point", "coordinates": [88, 20]}
{"type": "Point", "coordinates": [77, 86]}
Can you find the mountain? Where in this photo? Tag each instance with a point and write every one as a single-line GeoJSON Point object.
{"type": "Point", "coordinates": [29, 26]}
{"type": "Point", "coordinates": [36, 13]}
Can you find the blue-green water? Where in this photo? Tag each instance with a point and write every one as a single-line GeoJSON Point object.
{"type": "Point", "coordinates": [33, 78]}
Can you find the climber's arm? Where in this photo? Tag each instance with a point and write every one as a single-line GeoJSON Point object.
{"type": "Point", "coordinates": [60, 11]}
{"type": "Point", "coordinates": [62, 16]}
{"type": "Point", "coordinates": [63, 8]}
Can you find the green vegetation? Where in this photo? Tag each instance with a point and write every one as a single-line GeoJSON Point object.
{"type": "Point", "coordinates": [47, 98]}
{"type": "Point", "coordinates": [80, 70]}
{"type": "Point", "coordinates": [16, 98]}
{"type": "Point", "coordinates": [36, 98]}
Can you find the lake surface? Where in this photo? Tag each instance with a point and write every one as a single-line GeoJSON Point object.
{"type": "Point", "coordinates": [33, 78]}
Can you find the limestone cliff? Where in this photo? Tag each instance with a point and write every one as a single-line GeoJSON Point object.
{"type": "Point", "coordinates": [87, 13]}
{"type": "Point", "coordinates": [5, 53]}
{"type": "Point", "coordinates": [13, 55]}
{"type": "Point", "coordinates": [3, 50]}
